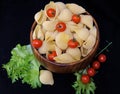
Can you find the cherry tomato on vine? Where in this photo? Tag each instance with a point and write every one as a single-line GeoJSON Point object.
{"type": "Point", "coordinates": [76, 18]}
{"type": "Point", "coordinates": [61, 26]}
{"type": "Point", "coordinates": [51, 55]}
{"type": "Point", "coordinates": [37, 43]}
{"type": "Point", "coordinates": [91, 72]}
{"type": "Point", "coordinates": [102, 58]}
{"type": "Point", "coordinates": [72, 43]}
{"type": "Point", "coordinates": [96, 64]}
{"type": "Point", "coordinates": [85, 78]}
{"type": "Point", "coordinates": [51, 12]}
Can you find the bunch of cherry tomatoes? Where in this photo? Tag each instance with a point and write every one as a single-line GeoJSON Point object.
{"type": "Point", "coordinates": [91, 71]}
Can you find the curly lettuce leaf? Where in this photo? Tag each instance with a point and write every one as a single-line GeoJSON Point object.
{"type": "Point", "coordinates": [81, 88]}
{"type": "Point", "coordinates": [23, 65]}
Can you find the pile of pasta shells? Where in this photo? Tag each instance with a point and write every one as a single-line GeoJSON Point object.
{"type": "Point", "coordinates": [84, 32]}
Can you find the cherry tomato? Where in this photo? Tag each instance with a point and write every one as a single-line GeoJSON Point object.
{"type": "Point", "coordinates": [91, 72]}
{"type": "Point", "coordinates": [76, 18]}
{"type": "Point", "coordinates": [61, 26]}
{"type": "Point", "coordinates": [51, 12]}
{"type": "Point", "coordinates": [85, 78]}
{"type": "Point", "coordinates": [51, 55]}
{"type": "Point", "coordinates": [72, 43]}
{"type": "Point", "coordinates": [37, 43]}
{"type": "Point", "coordinates": [96, 64]}
{"type": "Point", "coordinates": [102, 58]}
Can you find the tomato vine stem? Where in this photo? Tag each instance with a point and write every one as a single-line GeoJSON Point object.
{"type": "Point", "coordinates": [104, 48]}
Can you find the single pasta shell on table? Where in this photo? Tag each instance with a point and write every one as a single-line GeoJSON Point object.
{"type": "Point", "coordinates": [75, 9]}
{"type": "Point", "coordinates": [83, 33]}
{"type": "Point", "coordinates": [60, 5]}
{"type": "Point", "coordinates": [62, 40]}
{"type": "Point", "coordinates": [84, 51]}
{"type": "Point", "coordinates": [38, 33]}
{"type": "Point", "coordinates": [87, 20]}
{"type": "Point", "coordinates": [53, 6]}
{"type": "Point", "coordinates": [49, 25]}
{"type": "Point", "coordinates": [75, 53]}
{"type": "Point", "coordinates": [64, 58]}
{"type": "Point", "coordinates": [65, 15]}
{"type": "Point", "coordinates": [46, 77]}
{"type": "Point", "coordinates": [40, 17]}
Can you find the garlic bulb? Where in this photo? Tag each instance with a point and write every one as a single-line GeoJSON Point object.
{"type": "Point", "coordinates": [46, 77]}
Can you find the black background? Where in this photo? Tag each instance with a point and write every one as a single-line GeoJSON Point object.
{"type": "Point", "coordinates": [16, 18]}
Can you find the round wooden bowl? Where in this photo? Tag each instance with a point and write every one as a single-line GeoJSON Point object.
{"type": "Point", "coordinates": [63, 67]}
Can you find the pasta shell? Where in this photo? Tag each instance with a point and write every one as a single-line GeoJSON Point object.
{"type": "Point", "coordinates": [76, 9]}
{"type": "Point", "coordinates": [83, 33]}
{"type": "Point", "coordinates": [40, 17]}
{"type": "Point", "coordinates": [61, 40]}
{"type": "Point", "coordinates": [64, 58]}
{"type": "Point", "coordinates": [46, 77]}
{"type": "Point", "coordinates": [90, 42]}
{"type": "Point", "coordinates": [51, 46]}
{"type": "Point", "coordinates": [37, 33]}
{"type": "Point", "coordinates": [58, 50]}
{"type": "Point", "coordinates": [47, 46]}
{"type": "Point", "coordinates": [49, 25]}
{"type": "Point", "coordinates": [80, 25]}
{"type": "Point", "coordinates": [87, 20]}
{"type": "Point", "coordinates": [51, 5]}
{"type": "Point", "coordinates": [93, 31]}
{"type": "Point", "coordinates": [75, 53]}
{"type": "Point", "coordinates": [43, 49]}
{"type": "Point", "coordinates": [50, 36]}
{"type": "Point", "coordinates": [60, 5]}
{"type": "Point", "coordinates": [67, 31]}
{"type": "Point", "coordinates": [65, 15]}
{"type": "Point", "coordinates": [85, 52]}
{"type": "Point", "coordinates": [73, 27]}
{"type": "Point", "coordinates": [79, 40]}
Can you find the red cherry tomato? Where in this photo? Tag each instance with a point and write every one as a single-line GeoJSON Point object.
{"type": "Point", "coordinates": [51, 55]}
{"type": "Point", "coordinates": [37, 43]}
{"type": "Point", "coordinates": [51, 12]}
{"type": "Point", "coordinates": [91, 72]}
{"type": "Point", "coordinates": [102, 58]}
{"type": "Point", "coordinates": [72, 43]}
{"type": "Point", "coordinates": [76, 18]}
{"type": "Point", "coordinates": [60, 27]}
{"type": "Point", "coordinates": [85, 78]}
{"type": "Point", "coordinates": [96, 64]}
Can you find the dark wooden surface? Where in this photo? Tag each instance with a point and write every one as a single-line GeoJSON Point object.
{"type": "Point", "coordinates": [16, 18]}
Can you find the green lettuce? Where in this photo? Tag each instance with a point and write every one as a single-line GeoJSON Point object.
{"type": "Point", "coordinates": [23, 66]}
{"type": "Point", "coordinates": [81, 88]}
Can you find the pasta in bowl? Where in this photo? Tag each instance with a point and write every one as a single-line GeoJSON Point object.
{"type": "Point", "coordinates": [64, 37]}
